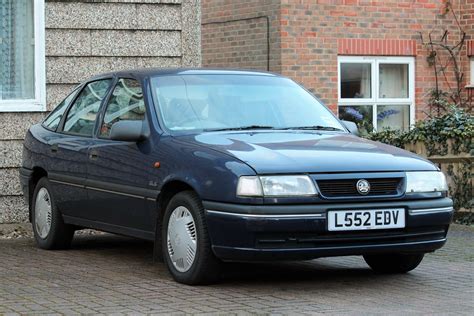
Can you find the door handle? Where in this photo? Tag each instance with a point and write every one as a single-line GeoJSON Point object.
{"type": "Point", "coordinates": [93, 155]}
{"type": "Point", "coordinates": [54, 148]}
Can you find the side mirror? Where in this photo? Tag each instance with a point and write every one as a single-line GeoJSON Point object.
{"type": "Point", "coordinates": [352, 127]}
{"type": "Point", "coordinates": [129, 131]}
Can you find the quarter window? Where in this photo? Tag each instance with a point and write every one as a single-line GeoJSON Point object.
{"type": "Point", "coordinates": [377, 92]}
{"type": "Point", "coordinates": [52, 121]}
{"type": "Point", "coordinates": [81, 117]}
{"type": "Point", "coordinates": [125, 103]}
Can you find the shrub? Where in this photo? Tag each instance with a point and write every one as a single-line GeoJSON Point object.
{"type": "Point", "coordinates": [456, 125]}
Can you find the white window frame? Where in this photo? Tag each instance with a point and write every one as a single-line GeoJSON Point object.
{"type": "Point", "coordinates": [374, 101]}
{"type": "Point", "coordinates": [471, 64]}
{"type": "Point", "coordinates": [38, 104]}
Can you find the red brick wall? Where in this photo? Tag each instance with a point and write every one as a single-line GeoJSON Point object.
{"type": "Point", "coordinates": [310, 31]}
{"type": "Point", "coordinates": [241, 43]}
{"type": "Point", "coordinates": [375, 47]}
{"type": "Point", "coordinates": [307, 35]}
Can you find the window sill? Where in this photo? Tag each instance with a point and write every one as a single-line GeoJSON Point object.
{"type": "Point", "coordinates": [21, 106]}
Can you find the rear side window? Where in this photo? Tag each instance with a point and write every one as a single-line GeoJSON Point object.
{"type": "Point", "coordinates": [80, 119]}
{"type": "Point", "coordinates": [52, 120]}
{"type": "Point", "coordinates": [125, 103]}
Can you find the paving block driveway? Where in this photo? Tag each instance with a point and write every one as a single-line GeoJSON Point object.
{"type": "Point", "coordinates": [110, 274]}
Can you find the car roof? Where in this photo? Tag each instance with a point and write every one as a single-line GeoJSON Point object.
{"type": "Point", "coordinates": [151, 72]}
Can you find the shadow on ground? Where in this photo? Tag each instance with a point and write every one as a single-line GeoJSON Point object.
{"type": "Point", "coordinates": [318, 270]}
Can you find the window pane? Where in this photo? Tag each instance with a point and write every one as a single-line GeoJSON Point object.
{"type": "Point", "coordinates": [356, 80]}
{"type": "Point", "coordinates": [126, 103]}
{"type": "Point", "coordinates": [53, 119]}
{"type": "Point", "coordinates": [359, 114]}
{"type": "Point", "coordinates": [16, 50]}
{"type": "Point", "coordinates": [393, 117]}
{"type": "Point", "coordinates": [393, 81]}
{"type": "Point", "coordinates": [80, 119]}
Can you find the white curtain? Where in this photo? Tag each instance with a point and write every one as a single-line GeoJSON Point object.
{"type": "Point", "coordinates": [393, 81]}
{"type": "Point", "coordinates": [365, 82]}
{"type": "Point", "coordinates": [17, 49]}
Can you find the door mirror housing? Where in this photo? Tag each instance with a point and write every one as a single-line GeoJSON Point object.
{"type": "Point", "coordinates": [352, 127]}
{"type": "Point", "coordinates": [129, 131]}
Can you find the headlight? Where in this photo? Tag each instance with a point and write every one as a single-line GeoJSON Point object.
{"type": "Point", "coordinates": [276, 186]}
{"type": "Point", "coordinates": [426, 181]}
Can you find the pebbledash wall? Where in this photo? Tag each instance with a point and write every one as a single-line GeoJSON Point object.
{"type": "Point", "coordinates": [309, 39]}
{"type": "Point", "coordinates": [83, 38]}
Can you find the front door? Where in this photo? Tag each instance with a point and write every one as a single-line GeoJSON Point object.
{"type": "Point", "coordinates": [118, 171]}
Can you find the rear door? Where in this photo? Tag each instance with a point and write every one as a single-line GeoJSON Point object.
{"type": "Point", "coordinates": [68, 170]}
{"type": "Point", "coordinates": [118, 171]}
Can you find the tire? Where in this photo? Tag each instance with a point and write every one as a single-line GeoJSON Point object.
{"type": "Point", "coordinates": [184, 209]}
{"type": "Point", "coordinates": [393, 263]}
{"type": "Point", "coordinates": [59, 235]}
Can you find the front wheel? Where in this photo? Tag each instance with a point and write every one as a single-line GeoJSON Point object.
{"type": "Point", "coordinates": [393, 263]}
{"type": "Point", "coordinates": [186, 244]}
{"type": "Point", "coordinates": [49, 229]}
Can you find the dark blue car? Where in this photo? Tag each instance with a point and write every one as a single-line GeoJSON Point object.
{"type": "Point", "coordinates": [223, 165]}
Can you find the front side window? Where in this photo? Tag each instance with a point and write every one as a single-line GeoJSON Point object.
{"type": "Point", "coordinates": [22, 79]}
{"type": "Point", "coordinates": [52, 121]}
{"type": "Point", "coordinates": [377, 92]}
{"type": "Point", "coordinates": [213, 102]}
{"type": "Point", "coordinates": [125, 103]}
{"type": "Point", "coordinates": [80, 119]}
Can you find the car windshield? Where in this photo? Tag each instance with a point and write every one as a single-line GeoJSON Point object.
{"type": "Point", "coordinates": [238, 102]}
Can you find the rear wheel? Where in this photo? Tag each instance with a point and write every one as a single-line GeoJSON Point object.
{"type": "Point", "coordinates": [186, 244]}
{"type": "Point", "coordinates": [393, 263]}
{"type": "Point", "coordinates": [49, 229]}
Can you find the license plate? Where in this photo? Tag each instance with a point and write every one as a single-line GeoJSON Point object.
{"type": "Point", "coordinates": [366, 219]}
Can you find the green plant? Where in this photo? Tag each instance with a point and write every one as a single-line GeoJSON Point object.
{"type": "Point", "coordinates": [456, 124]}
{"type": "Point", "coordinates": [387, 136]}
{"type": "Point", "coordinates": [465, 218]}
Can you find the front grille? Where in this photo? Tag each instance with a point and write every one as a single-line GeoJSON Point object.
{"type": "Point", "coordinates": [348, 188]}
{"type": "Point", "coordinates": [348, 239]}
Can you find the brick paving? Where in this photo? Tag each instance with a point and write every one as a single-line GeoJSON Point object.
{"type": "Point", "coordinates": [109, 274]}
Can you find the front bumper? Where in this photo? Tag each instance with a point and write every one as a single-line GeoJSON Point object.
{"type": "Point", "coordinates": [285, 232]}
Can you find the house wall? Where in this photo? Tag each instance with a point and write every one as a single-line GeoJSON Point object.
{"type": "Point", "coordinates": [242, 40]}
{"type": "Point", "coordinates": [84, 38]}
{"type": "Point", "coordinates": [311, 30]}
{"type": "Point", "coordinates": [309, 33]}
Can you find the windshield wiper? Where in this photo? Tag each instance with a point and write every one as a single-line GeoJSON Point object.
{"type": "Point", "coordinates": [316, 127]}
{"type": "Point", "coordinates": [241, 128]}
